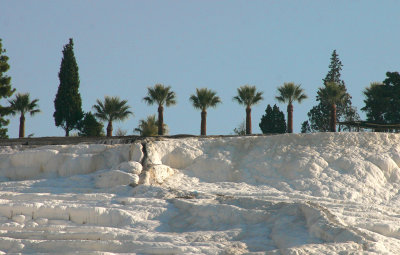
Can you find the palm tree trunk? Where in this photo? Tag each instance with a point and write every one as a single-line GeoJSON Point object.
{"type": "Point", "coordinates": [160, 120]}
{"type": "Point", "coordinates": [203, 128]}
{"type": "Point", "coordinates": [22, 126]}
{"type": "Point", "coordinates": [248, 121]}
{"type": "Point", "coordinates": [333, 118]}
{"type": "Point", "coordinates": [290, 118]}
{"type": "Point", "coordinates": [109, 129]}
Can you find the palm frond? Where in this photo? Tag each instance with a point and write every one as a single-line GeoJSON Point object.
{"type": "Point", "coordinates": [248, 95]}
{"type": "Point", "coordinates": [113, 108]}
{"type": "Point", "coordinates": [204, 99]}
{"type": "Point", "coordinates": [290, 92]}
{"type": "Point", "coordinates": [161, 95]}
{"type": "Point", "coordinates": [22, 104]}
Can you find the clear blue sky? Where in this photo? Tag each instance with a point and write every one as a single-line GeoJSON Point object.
{"type": "Point", "coordinates": [122, 47]}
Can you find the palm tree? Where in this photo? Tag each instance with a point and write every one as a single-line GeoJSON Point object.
{"type": "Point", "coordinates": [203, 99]}
{"type": "Point", "coordinates": [332, 93]}
{"type": "Point", "coordinates": [160, 95]}
{"type": "Point", "coordinates": [288, 93]}
{"type": "Point", "coordinates": [112, 109]}
{"type": "Point", "coordinates": [22, 104]}
{"type": "Point", "coordinates": [248, 96]}
{"type": "Point", "coordinates": [149, 126]}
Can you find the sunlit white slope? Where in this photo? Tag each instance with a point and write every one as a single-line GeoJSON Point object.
{"type": "Point", "coordinates": [286, 194]}
{"type": "Point", "coordinates": [350, 166]}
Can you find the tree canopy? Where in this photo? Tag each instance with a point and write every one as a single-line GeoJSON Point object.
{"type": "Point", "coordinates": [319, 115]}
{"type": "Point", "coordinates": [382, 101]}
{"type": "Point", "coordinates": [23, 105]}
{"type": "Point", "coordinates": [6, 91]}
{"type": "Point", "coordinates": [112, 109]}
{"type": "Point", "coordinates": [89, 126]}
{"type": "Point", "coordinates": [248, 96]}
{"type": "Point", "coordinates": [160, 95]}
{"type": "Point", "coordinates": [273, 121]}
{"type": "Point", "coordinates": [149, 126]}
{"type": "Point", "coordinates": [68, 102]}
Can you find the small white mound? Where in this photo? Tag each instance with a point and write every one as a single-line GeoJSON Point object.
{"type": "Point", "coordinates": [156, 174]}
{"type": "Point", "coordinates": [114, 178]}
{"type": "Point", "coordinates": [130, 167]}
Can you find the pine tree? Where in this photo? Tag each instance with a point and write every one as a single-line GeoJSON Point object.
{"type": "Point", "coordinates": [273, 121]}
{"type": "Point", "coordinates": [319, 115]}
{"type": "Point", "coordinates": [5, 91]}
{"type": "Point", "coordinates": [68, 102]}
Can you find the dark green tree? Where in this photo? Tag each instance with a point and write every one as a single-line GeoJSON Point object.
{"type": "Point", "coordinates": [5, 91]}
{"type": "Point", "coordinates": [319, 115]}
{"type": "Point", "coordinates": [89, 126]}
{"type": "Point", "coordinates": [376, 101]}
{"type": "Point", "coordinates": [273, 121]}
{"type": "Point", "coordinates": [68, 102]}
{"type": "Point", "coordinates": [382, 103]}
{"type": "Point", "coordinates": [305, 127]}
{"type": "Point", "coordinates": [392, 84]}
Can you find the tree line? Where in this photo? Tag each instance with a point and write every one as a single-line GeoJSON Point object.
{"type": "Point", "coordinates": [382, 101]}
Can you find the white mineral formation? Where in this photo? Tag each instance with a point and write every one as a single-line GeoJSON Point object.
{"type": "Point", "coordinates": [328, 193]}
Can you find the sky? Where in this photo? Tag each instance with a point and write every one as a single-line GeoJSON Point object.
{"type": "Point", "coordinates": [123, 47]}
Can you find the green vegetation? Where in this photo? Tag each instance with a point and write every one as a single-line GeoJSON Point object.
{"type": "Point", "coordinates": [160, 95]}
{"type": "Point", "coordinates": [149, 127]}
{"type": "Point", "coordinates": [382, 104]}
{"type": "Point", "coordinates": [6, 91]}
{"type": "Point", "coordinates": [382, 101]}
{"type": "Point", "coordinates": [248, 96]}
{"type": "Point", "coordinates": [288, 93]}
{"type": "Point", "coordinates": [241, 129]}
{"type": "Point", "coordinates": [68, 102]}
{"type": "Point", "coordinates": [89, 126]}
{"type": "Point", "coordinates": [273, 121]}
{"type": "Point", "coordinates": [112, 109]}
{"type": "Point", "coordinates": [22, 104]}
{"type": "Point", "coordinates": [203, 99]}
{"type": "Point", "coordinates": [332, 94]}
{"type": "Point", "coordinates": [319, 115]}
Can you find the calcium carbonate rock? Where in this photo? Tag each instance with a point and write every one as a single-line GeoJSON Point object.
{"type": "Point", "coordinates": [161, 172]}
{"type": "Point", "coordinates": [19, 218]}
{"type": "Point", "coordinates": [136, 153]}
{"type": "Point", "coordinates": [115, 178]}
{"type": "Point", "coordinates": [130, 167]}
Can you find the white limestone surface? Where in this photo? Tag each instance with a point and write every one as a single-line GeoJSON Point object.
{"type": "Point", "coordinates": [287, 194]}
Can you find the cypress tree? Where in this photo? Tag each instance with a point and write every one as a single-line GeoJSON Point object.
{"type": "Point", "coordinates": [319, 115]}
{"type": "Point", "coordinates": [5, 91]}
{"type": "Point", "coordinates": [273, 121]}
{"type": "Point", "coordinates": [68, 103]}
